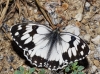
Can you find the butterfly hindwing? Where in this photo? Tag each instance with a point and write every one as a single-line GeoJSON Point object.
{"type": "Point", "coordinates": [77, 49]}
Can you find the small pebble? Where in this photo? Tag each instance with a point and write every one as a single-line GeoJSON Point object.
{"type": "Point", "coordinates": [10, 58]}
{"type": "Point", "coordinates": [87, 6]}
{"type": "Point", "coordinates": [98, 30]}
{"type": "Point", "coordinates": [97, 53]}
{"type": "Point", "coordinates": [6, 27]}
{"type": "Point", "coordinates": [97, 56]}
{"type": "Point", "coordinates": [1, 56]}
{"type": "Point", "coordinates": [96, 17]}
{"type": "Point", "coordinates": [94, 8]}
{"type": "Point", "coordinates": [97, 73]}
{"type": "Point", "coordinates": [35, 10]}
{"type": "Point", "coordinates": [98, 70]}
{"type": "Point", "coordinates": [0, 68]}
{"type": "Point", "coordinates": [98, 48]}
{"type": "Point", "coordinates": [11, 68]}
{"type": "Point", "coordinates": [14, 66]}
{"type": "Point", "coordinates": [93, 69]}
{"type": "Point", "coordinates": [87, 37]}
{"type": "Point", "coordinates": [96, 40]}
{"type": "Point", "coordinates": [96, 63]}
{"type": "Point", "coordinates": [78, 17]}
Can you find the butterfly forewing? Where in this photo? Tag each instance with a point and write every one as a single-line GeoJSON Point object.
{"type": "Point", "coordinates": [22, 35]}
{"type": "Point", "coordinates": [45, 47]}
{"type": "Point", "coordinates": [26, 34]}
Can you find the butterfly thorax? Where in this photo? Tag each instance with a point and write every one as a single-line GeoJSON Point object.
{"type": "Point", "coordinates": [54, 37]}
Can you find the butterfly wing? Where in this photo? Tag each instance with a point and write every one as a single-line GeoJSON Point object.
{"type": "Point", "coordinates": [77, 49]}
{"type": "Point", "coordinates": [23, 34]}
{"type": "Point", "coordinates": [32, 38]}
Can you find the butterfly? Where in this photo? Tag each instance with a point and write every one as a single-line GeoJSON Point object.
{"type": "Point", "coordinates": [47, 47]}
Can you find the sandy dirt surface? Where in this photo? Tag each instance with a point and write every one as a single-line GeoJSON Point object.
{"type": "Point", "coordinates": [85, 14]}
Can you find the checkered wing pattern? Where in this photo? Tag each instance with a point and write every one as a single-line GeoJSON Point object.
{"type": "Point", "coordinates": [44, 47]}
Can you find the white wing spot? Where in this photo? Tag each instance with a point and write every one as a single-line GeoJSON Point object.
{"type": "Point", "coordinates": [20, 46]}
{"type": "Point", "coordinates": [40, 63]}
{"type": "Point", "coordinates": [17, 33]}
{"type": "Point", "coordinates": [26, 49]}
{"type": "Point", "coordinates": [81, 53]}
{"type": "Point", "coordinates": [27, 31]}
{"type": "Point", "coordinates": [76, 60]}
{"type": "Point", "coordinates": [28, 40]}
{"type": "Point", "coordinates": [30, 24]}
{"type": "Point", "coordinates": [19, 27]}
{"type": "Point", "coordinates": [75, 44]}
{"type": "Point", "coordinates": [69, 53]}
{"type": "Point", "coordinates": [73, 51]}
{"type": "Point", "coordinates": [83, 57]}
{"type": "Point", "coordinates": [25, 36]}
{"type": "Point", "coordinates": [49, 66]}
{"type": "Point", "coordinates": [80, 59]}
{"type": "Point", "coordinates": [66, 60]}
{"type": "Point", "coordinates": [35, 61]}
{"type": "Point", "coordinates": [54, 67]}
{"type": "Point", "coordinates": [16, 42]}
{"type": "Point", "coordinates": [29, 28]}
{"type": "Point", "coordinates": [44, 63]}
{"type": "Point", "coordinates": [83, 46]}
{"type": "Point", "coordinates": [30, 51]}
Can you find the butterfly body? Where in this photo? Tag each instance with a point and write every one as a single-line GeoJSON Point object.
{"type": "Point", "coordinates": [45, 47]}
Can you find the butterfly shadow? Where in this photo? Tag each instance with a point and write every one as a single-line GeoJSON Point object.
{"type": "Point", "coordinates": [19, 52]}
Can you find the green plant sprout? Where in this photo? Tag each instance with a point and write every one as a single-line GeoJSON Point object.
{"type": "Point", "coordinates": [30, 71]}
{"type": "Point", "coordinates": [74, 68]}
{"type": "Point", "coordinates": [23, 71]}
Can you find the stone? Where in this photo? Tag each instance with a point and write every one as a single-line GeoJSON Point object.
{"type": "Point", "coordinates": [96, 63]}
{"type": "Point", "coordinates": [96, 40]}
{"type": "Point", "coordinates": [87, 37]}
{"type": "Point", "coordinates": [0, 68]}
{"type": "Point", "coordinates": [93, 69]}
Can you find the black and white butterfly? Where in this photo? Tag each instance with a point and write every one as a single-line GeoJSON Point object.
{"type": "Point", "coordinates": [45, 47]}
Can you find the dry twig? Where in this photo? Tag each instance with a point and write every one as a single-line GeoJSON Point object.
{"type": "Point", "coordinates": [4, 12]}
{"type": "Point", "coordinates": [45, 14]}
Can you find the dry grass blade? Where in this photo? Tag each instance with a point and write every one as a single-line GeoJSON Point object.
{"type": "Point", "coordinates": [45, 14]}
{"type": "Point", "coordinates": [18, 6]}
{"type": "Point", "coordinates": [6, 35]}
{"type": "Point", "coordinates": [26, 14]}
{"type": "Point", "coordinates": [4, 12]}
